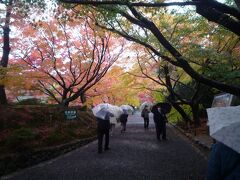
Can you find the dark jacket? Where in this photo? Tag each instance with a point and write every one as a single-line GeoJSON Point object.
{"type": "Point", "coordinates": [103, 124]}
{"type": "Point", "coordinates": [145, 113]}
{"type": "Point", "coordinates": [224, 163]}
{"type": "Point", "coordinates": [157, 116]}
{"type": "Point", "coordinates": [123, 118]}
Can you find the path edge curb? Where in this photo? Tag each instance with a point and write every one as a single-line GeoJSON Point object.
{"type": "Point", "coordinates": [33, 158]}
{"type": "Point", "coordinates": [191, 137]}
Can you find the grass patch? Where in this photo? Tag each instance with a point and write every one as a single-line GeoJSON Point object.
{"type": "Point", "coordinates": [20, 139]}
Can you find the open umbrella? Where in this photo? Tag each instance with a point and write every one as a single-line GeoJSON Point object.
{"type": "Point", "coordinates": [165, 107]}
{"type": "Point", "coordinates": [127, 109]}
{"type": "Point", "coordinates": [103, 108]}
{"type": "Point", "coordinates": [148, 104]}
{"type": "Point", "coordinates": [104, 114]}
{"type": "Point", "coordinates": [224, 125]}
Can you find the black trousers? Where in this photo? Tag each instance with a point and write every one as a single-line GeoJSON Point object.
{"type": "Point", "coordinates": [146, 122]}
{"type": "Point", "coordinates": [123, 124]}
{"type": "Point", "coordinates": [103, 130]}
{"type": "Point", "coordinates": [161, 130]}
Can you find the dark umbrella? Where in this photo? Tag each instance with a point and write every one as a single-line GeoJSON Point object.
{"type": "Point", "coordinates": [165, 107]}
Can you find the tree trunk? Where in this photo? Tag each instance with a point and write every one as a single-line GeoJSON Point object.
{"type": "Point", "coordinates": [6, 51]}
{"type": "Point", "coordinates": [213, 15]}
{"type": "Point", "coordinates": [3, 97]}
{"type": "Point", "coordinates": [172, 98]}
{"type": "Point", "coordinates": [64, 104]}
{"type": "Point", "coordinates": [195, 111]}
{"type": "Point", "coordinates": [83, 98]}
{"type": "Point", "coordinates": [64, 101]}
{"type": "Point", "coordinates": [196, 119]}
{"type": "Point", "coordinates": [181, 112]}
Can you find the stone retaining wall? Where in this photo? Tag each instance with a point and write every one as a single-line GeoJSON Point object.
{"type": "Point", "coordinates": [12, 163]}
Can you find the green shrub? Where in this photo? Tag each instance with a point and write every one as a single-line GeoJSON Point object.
{"type": "Point", "coordinates": [20, 138]}
{"type": "Point", "coordinates": [31, 101]}
{"type": "Point", "coordinates": [2, 125]}
{"type": "Point", "coordinates": [83, 108]}
{"type": "Point", "coordinates": [87, 133]}
{"type": "Point", "coordinates": [57, 137]}
{"type": "Point", "coordinates": [9, 125]}
{"type": "Point", "coordinates": [175, 118]}
{"type": "Point", "coordinates": [38, 119]}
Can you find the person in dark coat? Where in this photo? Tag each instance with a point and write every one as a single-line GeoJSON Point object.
{"type": "Point", "coordinates": [160, 120]}
{"type": "Point", "coordinates": [123, 120]}
{"type": "Point", "coordinates": [224, 163]}
{"type": "Point", "coordinates": [145, 115]}
{"type": "Point", "coordinates": [103, 127]}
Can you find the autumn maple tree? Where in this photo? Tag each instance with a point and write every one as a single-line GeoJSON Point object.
{"type": "Point", "coordinates": [70, 56]}
{"type": "Point", "coordinates": [12, 14]}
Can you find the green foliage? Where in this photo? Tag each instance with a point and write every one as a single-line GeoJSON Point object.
{"type": "Point", "coordinates": [83, 108]}
{"type": "Point", "coordinates": [175, 118]}
{"type": "Point", "coordinates": [20, 139]}
{"type": "Point", "coordinates": [10, 124]}
{"type": "Point", "coordinates": [185, 91]}
{"type": "Point", "coordinates": [159, 96]}
{"type": "Point", "coordinates": [31, 101]}
{"type": "Point", "coordinates": [26, 5]}
{"type": "Point", "coordinates": [58, 136]}
{"type": "Point", "coordinates": [204, 96]}
{"type": "Point", "coordinates": [3, 72]}
{"type": "Point", "coordinates": [224, 72]}
{"type": "Point", "coordinates": [38, 120]}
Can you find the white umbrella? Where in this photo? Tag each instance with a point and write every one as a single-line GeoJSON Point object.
{"type": "Point", "coordinates": [127, 108]}
{"type": "Point", "coordinates": [101, 109]}
{"type": "Point", "coordinates": [224, 125]}
{"type": "Point", "coordinates": [117, 111]}
{"type": "Point", "coordinates": [148, 104]}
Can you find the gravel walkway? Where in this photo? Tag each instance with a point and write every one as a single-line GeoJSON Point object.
{"type": "Point", "coordinates": [134, 155]}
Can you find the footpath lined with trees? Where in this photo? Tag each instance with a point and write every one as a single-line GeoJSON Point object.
{"type": "Point", "coordinates": [134, 154]}
{"type": "Point", "coordinates": [181, 51]}
{"type": "Point", "coordinates": [66, 53]}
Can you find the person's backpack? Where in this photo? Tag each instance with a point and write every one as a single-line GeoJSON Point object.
{"type": "Point", "coordinates": [142, 114]}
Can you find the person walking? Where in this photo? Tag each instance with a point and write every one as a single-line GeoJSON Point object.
{"type": "Point", "coordinates": [160, 120]}
{"type": "Point", "coordinates": [123, 120]}
{"type": "Point", "coordinates": [103, 127]}
{"type": "Point", "coordinates": [224, 128]}
{"type": "Point", "coordinates": [145, 114]}
{"type": "Point", "coordinates": [224, 163]}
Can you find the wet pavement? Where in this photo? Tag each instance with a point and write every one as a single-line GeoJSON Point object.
{"type": "Point", "coordinates": [134, 155]}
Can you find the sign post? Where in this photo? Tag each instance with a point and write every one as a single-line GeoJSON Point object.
{"type": "Point", "coordinates": [70, 114]}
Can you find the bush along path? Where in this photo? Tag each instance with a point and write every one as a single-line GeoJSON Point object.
{"type": "Point", "coordinates": [135, 154]}
{"type": "Point", "coordinates": [32, 134]}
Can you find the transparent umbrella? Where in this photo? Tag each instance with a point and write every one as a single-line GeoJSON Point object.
{"type": "Point", "coordinates": [128, 109]}
{"type": "Point", "coordinates": [148, 104]}
{"type": "Point", "coordinates": [101, 110]}
{"type": "Point", "coordinates": [224, 125]}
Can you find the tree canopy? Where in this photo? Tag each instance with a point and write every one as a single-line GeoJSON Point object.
{"type": "Point", "coordinates": [138, 22]}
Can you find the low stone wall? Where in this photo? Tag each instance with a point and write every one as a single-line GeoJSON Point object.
{"type": "Point", "coordinates": [12, 163]}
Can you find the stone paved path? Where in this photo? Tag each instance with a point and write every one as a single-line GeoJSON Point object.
{"type": "Point", "coordinates": [134, 155]}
